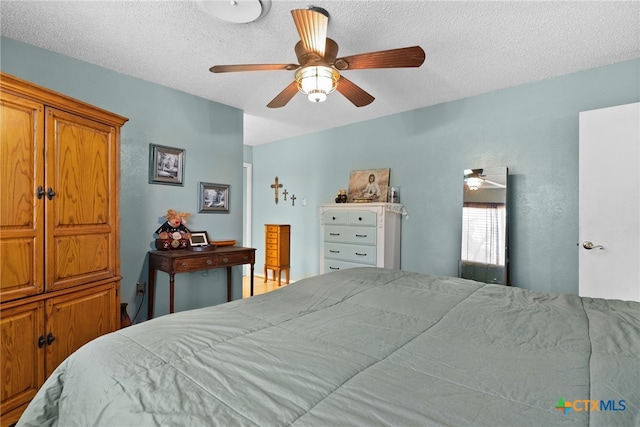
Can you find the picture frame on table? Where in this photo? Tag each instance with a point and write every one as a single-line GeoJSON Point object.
{"type": "Point", "coordinates": [213, 198]}
{"type": "Point", "coordinates": [199, 238]}
{"type": "Point", "coordinates": [166, 165]}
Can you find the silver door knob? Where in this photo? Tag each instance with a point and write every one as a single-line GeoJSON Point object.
{"type": "Point", "coordinates": [589, 245]}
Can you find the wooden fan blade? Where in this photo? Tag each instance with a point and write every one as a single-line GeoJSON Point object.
{"type": "Point", "coordinates": [312, 27]}
{"type": "Point", "coordinates": [252, 67]}
{"type": "Point", "coordinates": [285, 96]}
{"type": "Point", "coordinates": [354, 93]}
{"type": "Point", "coordinates": [394, 58]}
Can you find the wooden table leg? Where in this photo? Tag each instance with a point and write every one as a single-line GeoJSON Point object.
{"type": "Point", "coordinates": [228, 284]}
{"type": "Point", "coordinates": [251, 294]}
{"type": "Point", "coordinates": [171, 284]}
{"type": "Point", "coordinates": [152, 285]}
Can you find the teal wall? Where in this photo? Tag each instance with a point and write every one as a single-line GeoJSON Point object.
{"type": "Point", "coordinates": [531, 129]}
{"type": "Point", "coordinates": [210, 133]}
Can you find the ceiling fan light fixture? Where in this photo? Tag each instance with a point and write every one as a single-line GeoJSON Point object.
{"type": "Point", "coordinates": [317, 81]}
{"type": "Point", "coordinates": [474, 182]}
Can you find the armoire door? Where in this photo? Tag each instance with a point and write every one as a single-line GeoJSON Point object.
{"type": "Point", "coordinates": [74, 319]}
{"type": "Point", "coordinates": [22, 349]}
{"type": "Point", "coordinates": [82, 206]}
{"type": "Point", "coordinates": [21, 197]}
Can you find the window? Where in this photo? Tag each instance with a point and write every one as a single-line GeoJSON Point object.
{"type": "Point", "coordinates": [483, 231]}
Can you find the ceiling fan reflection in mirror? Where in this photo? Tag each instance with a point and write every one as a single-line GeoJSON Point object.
{"type": "Point", "coordinates": [318, 72]}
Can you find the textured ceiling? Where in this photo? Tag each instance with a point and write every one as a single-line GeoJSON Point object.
{"type": "Point", "coordinates": [472, 47]}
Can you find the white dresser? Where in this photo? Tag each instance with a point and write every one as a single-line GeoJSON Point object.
{"type": "Point", "coordinates": [360, 235]}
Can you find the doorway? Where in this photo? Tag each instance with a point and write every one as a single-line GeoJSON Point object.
{"type": "Point", "coordinates": [247, 185]}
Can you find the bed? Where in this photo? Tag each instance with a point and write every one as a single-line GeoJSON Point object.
{"type": "Point", "coordinates": [361, 347]}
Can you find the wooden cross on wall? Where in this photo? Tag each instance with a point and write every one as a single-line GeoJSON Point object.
{"type": "Point", "coordinates": [275, 187]}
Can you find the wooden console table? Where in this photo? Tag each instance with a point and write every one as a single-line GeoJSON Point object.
{"type": "Point", "coordinates": [184, 261]}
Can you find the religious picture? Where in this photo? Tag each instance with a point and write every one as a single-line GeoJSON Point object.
{"type": "Point", "coordinates": [368, 186]}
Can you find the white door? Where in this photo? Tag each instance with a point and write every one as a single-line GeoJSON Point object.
{"type": "Point", "coordinates": [609, 206]}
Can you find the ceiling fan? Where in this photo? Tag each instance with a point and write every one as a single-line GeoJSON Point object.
{"type": "Point", "coordinates": [474, 178]}
{"type": "Point", "coordinates": [318, 69]}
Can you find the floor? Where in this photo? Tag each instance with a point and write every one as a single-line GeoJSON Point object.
{"type": "Point", "coordinates": [259, 286]}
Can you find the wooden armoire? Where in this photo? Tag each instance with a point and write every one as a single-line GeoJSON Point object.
{"type": "Point", "coordinates": [59, 233]}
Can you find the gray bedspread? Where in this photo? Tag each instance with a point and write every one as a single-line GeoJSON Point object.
{"type": "Point", "coordinates": [361, 347]}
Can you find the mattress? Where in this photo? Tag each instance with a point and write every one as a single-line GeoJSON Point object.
{"type": "Point", "coordinates": [361, 347]}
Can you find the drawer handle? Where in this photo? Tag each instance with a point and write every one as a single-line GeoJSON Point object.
{"type": "Point", "coordinates": [359, 218]}
{"type": "Point", "coordinates": [333, 218]}
{"type": "Point", "coordinates": [50, 338]}
{"type": "Point", "coordinates": [361, 235]}
{"type": "Point", "coordinates": [361, 254]}
{"type": "Point", "coordinates": [225, 259]}
{"type": "Point", "coordinates": [184, 264]}
{"type": "Point", "coordinates": [334, 252]}
{"type": "Point", "coordinates": [334, 234]}
{"type": "Point", "coordinates": [334, 268]}
{"type": "Point", "coordinates": [209, 262]}
{"type": "Point", "coordinates": [245, 258]}
{"type": "Point", "coordinates": [41, 341]}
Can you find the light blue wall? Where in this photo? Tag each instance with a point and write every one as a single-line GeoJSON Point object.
{"type": "Point", "coordinates": [531, 129]}
{"type": "Point", "coordinates": [210, 133]}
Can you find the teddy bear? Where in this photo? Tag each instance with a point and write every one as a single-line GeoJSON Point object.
{"type": "Point", "coordinates": [174, 231]}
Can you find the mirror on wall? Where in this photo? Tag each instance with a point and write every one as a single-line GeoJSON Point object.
{"type": "Point", "coordinates": [484, 255]}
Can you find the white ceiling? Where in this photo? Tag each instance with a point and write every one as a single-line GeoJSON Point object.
{"type": "Point", "coordinates": [472, 47]}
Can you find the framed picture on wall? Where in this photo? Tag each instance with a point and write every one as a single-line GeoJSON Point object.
{"type": "Point", "coordinates": [370, 185]}
{"type": "Point", "coordinates": [213, 198]}
{"type": "Point", "coordinates": [166, 165]}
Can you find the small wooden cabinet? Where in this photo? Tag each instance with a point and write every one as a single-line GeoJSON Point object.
{"type": "Point", "coordinates": [59, 233]}
{"type": "Point", "coordinates": [360, 235]}
{"type": "Point", "coordinates": [277, 240]}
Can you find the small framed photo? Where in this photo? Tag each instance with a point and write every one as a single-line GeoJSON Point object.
{"type": "Point", "coordinates": [199, 238]}
{"type": "Point", "coordinates": [213, 198]}
{"type": "Point", "coordinates": [166, 165]}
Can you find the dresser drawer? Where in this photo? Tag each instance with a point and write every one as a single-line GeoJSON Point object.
{"type": "Point", "coordinates": [362, 218]}
{"type": "Point", "coordinates": [191, 264]}
{"type": "Point", "coordinates": [234, 259]}
{"type": "Point", "coordinates": [272, 237]}
{"type": "Point", "coordinates": [273, 261]}
{"type": "Point", "coordinates": [336, 217]}
{"type": "Point", "coordinates": [271, 228]}
{"type": "Point", "coordinates": [352, 253]}
{"type": "Point", "coordinates": [357, 235]}
{"type": "Point", "coordinates": [336, 265]}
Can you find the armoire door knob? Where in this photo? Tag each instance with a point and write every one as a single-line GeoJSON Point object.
{"type": "Point", "coordinates": [50, 193]}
